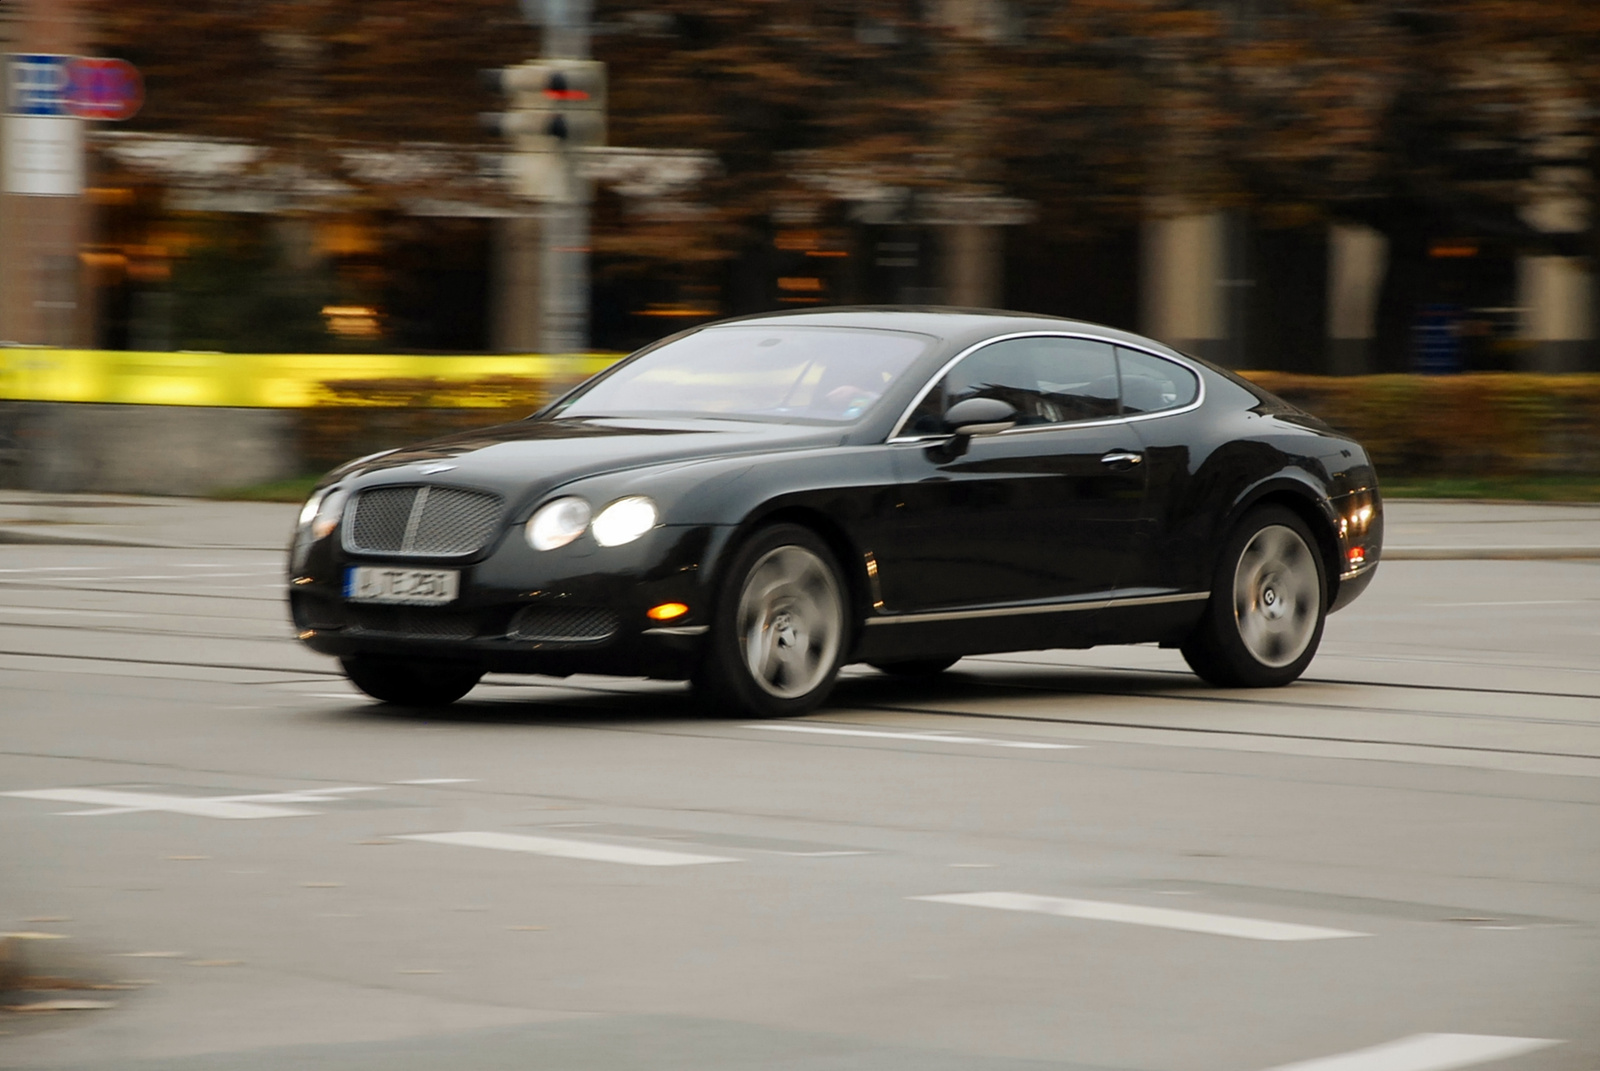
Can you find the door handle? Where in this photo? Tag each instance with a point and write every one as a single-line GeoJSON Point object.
{"type": "Point", "coordinates": [1121, 459]}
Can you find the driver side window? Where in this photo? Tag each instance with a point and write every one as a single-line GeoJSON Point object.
{"type": "Point", "coordinates": [1048, 381]}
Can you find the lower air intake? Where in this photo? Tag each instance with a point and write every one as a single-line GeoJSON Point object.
{"type": "Point", "coordinates": [564, 624]}
{"type": "Point", "coordinates": [412, 623]}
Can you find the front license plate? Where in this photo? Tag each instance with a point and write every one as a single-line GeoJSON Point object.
{"type": "Point", "coordinates": [416, 587]}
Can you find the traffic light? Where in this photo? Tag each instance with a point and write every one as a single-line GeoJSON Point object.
{"type": "Point", "coordinates": [555, 104]}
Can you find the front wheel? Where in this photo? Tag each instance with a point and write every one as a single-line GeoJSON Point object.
{"type": "Point", "coordinates": [411, 682]}
{"type": "Point", "coordinates": [1268, 603]}
{"type": "Point", "coordinates": [781, 627]}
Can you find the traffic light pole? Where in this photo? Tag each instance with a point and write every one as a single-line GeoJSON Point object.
{"type": "Point", "coordinates": [564, 277]}
{"type": "Point", "coordinates": [564, 230]}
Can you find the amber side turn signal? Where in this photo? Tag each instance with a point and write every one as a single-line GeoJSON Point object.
{"type": "Point", "coordinates": [666, 611]}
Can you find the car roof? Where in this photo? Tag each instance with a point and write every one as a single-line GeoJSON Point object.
{"type": "Point", "coordinates": [956, 325]}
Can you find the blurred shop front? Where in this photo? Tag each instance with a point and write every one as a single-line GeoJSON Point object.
{"type": "Point", "coordinates": [200, 245]}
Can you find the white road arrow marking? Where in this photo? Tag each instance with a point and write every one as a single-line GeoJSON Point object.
{"type": "Point", "coordinates": [1425, 1052]}
{"type": "Point", "coordinates": [569, 849]}
{"type": "Point", "coordinates": [1162, 917]}
{"type": "Point", "coordinates": [254, 805]}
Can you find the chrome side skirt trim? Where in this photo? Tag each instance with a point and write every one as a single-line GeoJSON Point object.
{"type": "Point", "coordinates": [934, 616]}
{"type": "Point", "coordinates": [1358, 570]}
{"type": "Point", "coordinates": [678, 630]}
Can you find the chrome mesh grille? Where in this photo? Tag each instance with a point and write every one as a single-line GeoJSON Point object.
{"type": "Point", "coordinates": [412, 622]}
{"type": "Point", "coordinates": [425, 521]}
{"type": "Point", "coordinates": [569, 624]}
{"type": "Point", "coordinates": [379, 518]}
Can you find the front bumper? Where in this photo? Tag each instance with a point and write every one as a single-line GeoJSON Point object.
{"type": "Point", "coordinates": [577, 609]}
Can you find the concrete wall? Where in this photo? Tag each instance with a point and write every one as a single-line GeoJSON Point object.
{"type": "Point", "coordinates": [143, 449]}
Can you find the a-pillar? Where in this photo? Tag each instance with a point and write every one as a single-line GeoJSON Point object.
{"type": "Point", "coordinates": [514, 316]}
{"type": "Point", "coordinates": [1358, 257]}
{"type": "Point", "coordinates": [1184, 265]}
{"type": "Point", "coordinates": [971, 256]}
{"type": "Point", "coordinates": [1557, 298]}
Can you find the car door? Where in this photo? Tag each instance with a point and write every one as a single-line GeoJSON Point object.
{"type": "Point", "coordinates": [1049, 510]}
{"type": "Point", "coordinates": [1160, 397]}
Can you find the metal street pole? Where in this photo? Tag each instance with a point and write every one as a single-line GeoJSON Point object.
{"type": "Point", "coordinates": [564, 236]}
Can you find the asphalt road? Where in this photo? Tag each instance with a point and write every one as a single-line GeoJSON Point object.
{"type": "Point", "coordinates": [1072, 860]}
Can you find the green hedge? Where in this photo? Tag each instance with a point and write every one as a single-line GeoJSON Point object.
{"type": "Point", "coordinates": [1490, 424]}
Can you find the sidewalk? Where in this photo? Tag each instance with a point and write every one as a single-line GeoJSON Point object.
{"type": "Point", "coordinates": [1417, 529]}
{"type": "Point", "coordinates": [1431, 529]}
{"type": "Point", "coordinates": [141, 521]}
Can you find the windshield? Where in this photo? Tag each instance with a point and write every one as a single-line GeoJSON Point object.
{"type": "Point", "coordinates": [793, 374]}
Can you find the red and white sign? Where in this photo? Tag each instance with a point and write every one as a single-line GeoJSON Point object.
{"type": "Point", "coordinates": [102, 88]}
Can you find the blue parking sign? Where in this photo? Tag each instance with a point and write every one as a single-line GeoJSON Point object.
{"type": "Point", "coordinates": [36, 84]}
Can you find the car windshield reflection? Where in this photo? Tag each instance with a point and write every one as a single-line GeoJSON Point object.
{"type": "Point", "coordinates": [787, 374]}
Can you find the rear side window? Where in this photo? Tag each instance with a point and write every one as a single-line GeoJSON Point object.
{"type": "Point", "coordinates": [1150, 384]}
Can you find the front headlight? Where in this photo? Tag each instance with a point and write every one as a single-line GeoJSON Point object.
{"type": "Point", "coordinates": [321, 511]}
{"type": "Point", "coordinates": [624, 520]}
{"type": "Point", "coordinates": [558, 523]}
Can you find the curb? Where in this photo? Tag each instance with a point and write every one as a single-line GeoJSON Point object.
{"type": "Point", "coordinates": [1508, 554]}
{"type": "Point", "coordinates": [28, 537]}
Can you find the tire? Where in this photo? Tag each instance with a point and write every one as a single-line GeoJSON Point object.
{"type": "Point", "coordinates": [411, 682]}
{"type": "Point", "coordinates": [781, 627]}
{"type": "Point", "coordinates": [918, 667]}
{"type": "Point", "coordinates": [1268, 603]}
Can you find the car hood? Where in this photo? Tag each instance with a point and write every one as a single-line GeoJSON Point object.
{"type": "Point", "coordinates": [532, 456]}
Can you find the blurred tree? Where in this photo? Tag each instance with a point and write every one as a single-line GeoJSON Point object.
{"type": "Point", "coordinates": [309, 79]}
{"type": "Point", "coordinates": [1422, 117]}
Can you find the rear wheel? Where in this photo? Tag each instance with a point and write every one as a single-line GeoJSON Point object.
{"type": "Point", "coordinates": [411, 682]}
{"type": "Point", "coordinates": [1268, 603]}
{"type": "Point", "coordinates": [781, 627]}
{"type": "Point", "coordinates": [917, 667]}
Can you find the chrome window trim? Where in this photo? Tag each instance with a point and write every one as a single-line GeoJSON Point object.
{"type": "Point", "coordinates": [933, 616]}
{"type": "Point", "coordinates": [1199, 398]}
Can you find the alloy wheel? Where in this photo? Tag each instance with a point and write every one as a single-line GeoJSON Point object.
{"type": "Point", "coordinates": [790, 621]}
{"type": "Point", "coordinates": [1275, 596]}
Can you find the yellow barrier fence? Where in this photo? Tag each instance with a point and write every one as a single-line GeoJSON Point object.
{"type": "Point", "coordinates": [264, 380]}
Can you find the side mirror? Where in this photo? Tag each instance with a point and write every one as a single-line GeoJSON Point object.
{"type": "Point", "coordinates": [980, 416]}
{"type": "Point", "coordinates": [975, 416]}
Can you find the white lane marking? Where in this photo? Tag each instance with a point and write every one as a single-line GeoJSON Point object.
{"type": "Point", "coordinates": [932, 738]}
{"type": "Point", "coordinates": [569, 849]}
{"type": "Point", "coordinates": [52, 610]}
{"type": "Point", "coordinates": [57, 568]}
{"type": "Point", "coordinates": [1425, 1052]}
{"type": "Point", "coordinates": [1163, 917]}
{"type": "Point", "coordinates": [816, 855]}
{"type": "Point", "coordinates": [254, 805]}
{"type": "Point", "coordinates": [436, 781]}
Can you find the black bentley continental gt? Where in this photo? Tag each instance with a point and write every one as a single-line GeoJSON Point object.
{"type": "Point", "coordinates": [752, 504]}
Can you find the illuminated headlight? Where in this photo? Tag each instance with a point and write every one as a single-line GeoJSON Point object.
{"type": "Point", "coordinates": [624, 520]}
{"type": "Point", "coordinates": [321, 511]}
{"type": "Point", "coordinates": [558, 523]}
